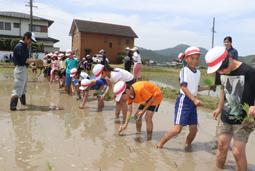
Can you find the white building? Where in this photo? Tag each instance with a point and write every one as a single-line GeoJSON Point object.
{"type": "Point", "coordinates": [15, 24]}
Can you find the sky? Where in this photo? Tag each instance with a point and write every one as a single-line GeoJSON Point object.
{"type": "Point", "coordinates": [158, 23]}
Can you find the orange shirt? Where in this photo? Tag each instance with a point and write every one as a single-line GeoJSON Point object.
{"type": "Point", "coordinates": [144, 90]}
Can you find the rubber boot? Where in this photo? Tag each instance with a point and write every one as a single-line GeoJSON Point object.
{"type": "Point", "coordinates": [23, 99]}
{"type": "Point", "coordinates": [13, 103]}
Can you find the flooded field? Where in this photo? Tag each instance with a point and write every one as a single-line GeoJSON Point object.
{"type": "Point", "coordinates": [65, 138]}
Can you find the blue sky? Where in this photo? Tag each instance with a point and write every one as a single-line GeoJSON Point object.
{"type": "Point", "coordinates": [159, 23]}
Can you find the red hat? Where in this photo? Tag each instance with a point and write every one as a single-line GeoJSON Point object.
{"type": "Point", "coordinates": [191, 51]}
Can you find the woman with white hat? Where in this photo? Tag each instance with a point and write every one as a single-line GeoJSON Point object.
{"type": "Point", "coordinates": [137, 63]}
{"type": "Point", "coordinates": [115, 75]}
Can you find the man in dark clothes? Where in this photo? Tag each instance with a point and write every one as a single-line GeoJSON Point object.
{"type": "Point", "coordinates": [21, 62]}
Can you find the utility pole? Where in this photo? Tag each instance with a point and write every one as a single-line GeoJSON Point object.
{"type": "Point", "coordinates": [213, 32]}
{"type": "Point", "coordinates": [30, 5]}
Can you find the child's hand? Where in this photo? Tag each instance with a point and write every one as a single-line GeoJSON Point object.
{"type": "Point", "coordinates": [81, 107]}
{"type": "Point", "coordinates": [216, 113]}
{"type": "Point", "coordinates": [197, 102]}
{"type": "Point", "coordinates": [122, 128]}
{"type": "Point", "coordinates": [252, 111]}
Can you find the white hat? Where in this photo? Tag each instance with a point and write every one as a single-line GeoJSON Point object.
{"type": "Point", "coordinates": [101, 51]}
{"type": "Point", "coordinates": [85, 83]}
{"type": "Point", "coordinates": [84, 75]}
{"type": "Point", "coordinates": [69, 52]}
{"type": "Point", "coordinates": [97, 70]}
{"type": "Point", "coordinates": [191, 51]}
{"type": "Point", "coordinates": [181, 55]}
{"type": "Point", "coordinates": [214, 58]}
{"type": "Point", "coordinates": [60, 55]}
{"type": "Point", "coordinates": [118, 89]}
{"type": "Point", "coordinates": [134, 49]}
{"type": "Point", "coordinates": [33, 37]}
{"type": "Point", "coordinates": [73, 72]}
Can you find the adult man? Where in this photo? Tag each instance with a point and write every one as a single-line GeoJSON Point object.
{"type": "Point", "coordinates": [21, 61]}
{"type": "Point", "coordinates": [237, 82]}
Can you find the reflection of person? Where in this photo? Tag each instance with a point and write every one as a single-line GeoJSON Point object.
{"type": "Point", "coordinates": [144, 93]}
{"type": "Point", "coordinates": [237, 88]}
{"type": "Point", "coordinates": [21, 61]}
{"type": "Point", "coordinates": [187, 101]}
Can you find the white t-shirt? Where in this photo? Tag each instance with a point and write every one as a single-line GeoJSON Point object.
{"type": "Point", "coordinates": [121, 75]}
{"type": "Point", "coordinates": [191, 78]}
{"type": "Point", "coordinates": [137, 58]}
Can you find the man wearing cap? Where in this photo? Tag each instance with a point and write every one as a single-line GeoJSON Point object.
{"type": "Point", "coordinates": [71, 63]}
{"type": "Point", "coordinates": [237, 82]}
{"type": "Point", "coordinates": [21, 61]}
{"type": "Point", "coordinates": [148, 95]}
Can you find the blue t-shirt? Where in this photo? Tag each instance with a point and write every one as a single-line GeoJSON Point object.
{"type": "Point", "coordinates": [70, 64]}
{"type": "Point", "coordinates": [99, 83]}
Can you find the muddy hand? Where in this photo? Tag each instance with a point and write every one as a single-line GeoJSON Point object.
{"type": "Point", "coordinates": [252, 111]}
{"type": "Point", "coordinates": [198, 102]}
{"type": "Point", "coordinates": [122, 128]}
{"type": "Point", "coordinates": [216, 114]}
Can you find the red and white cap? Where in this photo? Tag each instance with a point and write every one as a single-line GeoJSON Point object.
{"type": "Point", "coordinates": [97, 70]}
{"type": "Point", "coordinates": [214, 58]}
{"type": "Point", "coordinates": [73, 72]}
{"type": "Point", "coordinates": [118, 89]}
{"type": "Point", "coordinates": [181, 55]}
{"type": "Point", "coordinates": [69, 52]}
{"type": "Point", "coordinates": [85, 83]}
{"type": "Point", "coordinates": [54, 56]}
{"type": "Point", "coordinates": [191, 51]}
{"type": "Point", "coordinates": [60, 55]}
{"type": "Point", "coordinates": [50, 54]}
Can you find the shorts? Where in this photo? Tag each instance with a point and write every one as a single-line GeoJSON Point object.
{"type": "Point", "coordinates": [238, 131]}
{"type": "Point", "coordinates": [185, 111]}
{"type": "Point", "coordinates": [68, 80]}
{"type": "Point", "coordinates": [150, 108]}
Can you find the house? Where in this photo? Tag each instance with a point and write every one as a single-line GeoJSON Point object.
{"type": "Point", "coordinates": [89, 37]}
{"type": "Point", "coordinates": [14, 24]}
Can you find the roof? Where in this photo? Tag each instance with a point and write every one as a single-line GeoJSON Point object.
{"type": "Point", "coordinates": [102, 28]}
{"type": "Point", "coordinates": [37, 38]}
{"type": "Point", "coordinates": [24, 16]}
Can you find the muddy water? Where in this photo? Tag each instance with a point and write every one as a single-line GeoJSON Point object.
{"type": "Point", "coordinates": [45, 138]}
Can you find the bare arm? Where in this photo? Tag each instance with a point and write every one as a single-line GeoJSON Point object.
{"type": "Point", "coordinates": [220, 104]}
{"type": "Point", "coordinates": [128, 116]}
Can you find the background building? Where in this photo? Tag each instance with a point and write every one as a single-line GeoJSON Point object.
{"type": "Point", "coordinates": [89, 37]}
{"type": "Point", "coordinates": [14, 24]}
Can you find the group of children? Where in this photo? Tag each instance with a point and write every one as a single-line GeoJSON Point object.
{"type": "Point", "coordinates": [128, 90]}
